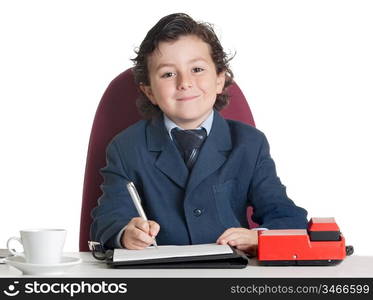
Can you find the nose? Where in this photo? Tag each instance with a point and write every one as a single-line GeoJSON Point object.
{"type": "Point", "coordinates": [184, 81]}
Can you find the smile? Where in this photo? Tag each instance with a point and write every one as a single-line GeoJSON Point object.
{"type": "Point", "coordinates": [187, 98]}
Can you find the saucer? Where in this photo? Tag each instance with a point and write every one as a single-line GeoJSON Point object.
{"type": "Point", "coordinates": [37, 269]}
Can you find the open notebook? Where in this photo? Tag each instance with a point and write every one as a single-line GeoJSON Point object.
{"type": "Point", "coordinates": [188, 256]}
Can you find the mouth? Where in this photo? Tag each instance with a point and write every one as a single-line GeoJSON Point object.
{"type": "Point", "coordinates": [187, 98]}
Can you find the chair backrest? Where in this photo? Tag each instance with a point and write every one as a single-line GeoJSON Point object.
{"type": "Point", "coordinates": [116, 111]}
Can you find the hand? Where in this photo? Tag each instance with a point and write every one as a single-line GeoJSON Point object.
{"type": "Point", "coordinates": [241, 238]}
{"type": "Point", "coordinates": [139, 234]}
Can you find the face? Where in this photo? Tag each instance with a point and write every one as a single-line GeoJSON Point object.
{"type": "Point", "coordinates": [183, 80]}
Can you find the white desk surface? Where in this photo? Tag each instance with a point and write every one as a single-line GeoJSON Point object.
{"type": "Point", "coordinates": [352, 266]}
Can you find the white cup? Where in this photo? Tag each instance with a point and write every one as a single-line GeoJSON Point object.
{"type": "Point", "coordinates": [41, 246]}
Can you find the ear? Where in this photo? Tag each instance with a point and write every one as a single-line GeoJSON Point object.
{"type": "Point", "coordinates": [220, 81]}
{"type": "Point", "coordinates": [147, 90]}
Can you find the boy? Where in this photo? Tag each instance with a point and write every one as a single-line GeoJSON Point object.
{"type": "Point", "coordinates": [196, 173]}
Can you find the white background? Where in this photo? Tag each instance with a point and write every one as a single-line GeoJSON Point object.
{"type": "Point", "coordinates": [306, 68]}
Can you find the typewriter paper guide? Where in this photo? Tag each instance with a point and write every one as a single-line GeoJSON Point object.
{"type": "Point", "coordinates": [170, 251]}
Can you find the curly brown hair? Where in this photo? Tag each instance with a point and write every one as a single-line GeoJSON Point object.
{"type": "Point", "coordinates": [170, 28]}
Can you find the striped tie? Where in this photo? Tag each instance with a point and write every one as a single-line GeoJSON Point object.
{"type": "Point", "coordinates": [189, 143]}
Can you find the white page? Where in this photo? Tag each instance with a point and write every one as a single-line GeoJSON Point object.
{"type": "Point", "coordinates": [170, 251]}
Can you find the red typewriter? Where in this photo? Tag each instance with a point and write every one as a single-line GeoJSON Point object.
{"type": "Point", "coordinates": [322, 244]}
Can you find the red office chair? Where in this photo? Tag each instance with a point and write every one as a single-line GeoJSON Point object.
{"type": "Point", "coordinates": [116, 111]}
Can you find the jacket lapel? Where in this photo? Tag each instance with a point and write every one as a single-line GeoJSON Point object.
{"type": "Point", "coordinates": [212, 155]}
{"type": "Point", "coordinates": [169, 160]}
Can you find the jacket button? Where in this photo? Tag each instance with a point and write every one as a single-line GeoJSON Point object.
{"type": "Point", "coordinates": [197, 212]}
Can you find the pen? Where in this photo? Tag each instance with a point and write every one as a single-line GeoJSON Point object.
{"type": "Point", "coordinates": [137, 201]}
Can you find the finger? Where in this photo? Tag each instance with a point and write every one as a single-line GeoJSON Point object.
{"type": "Point", "coordinates": [242, 237]}
{"type": "Point", "coordinates": [230, 236]}
{"type": "Point", "coordinates": [245, 239]}
{"type": "Point", "coordinates": [143, 225]}
{"type": "Point", "coordinates": [221, 242]}
{"type": "Point", "coordinates": [141, 236]}
{"type": "Point", "coordinates": [130, 241]}
{"type": "Point", "coordinates": [239, 241]}
{"type": "Point", "coordinates": [233, 239]}
{"type": "Point", "coordinates": [154, 228]}
{"type": "Point", "coordinates": [136, 220]}
{"type": "Point", "coordinates": [229, 232]}
{"type": "Point", "coordinates": [135, 244]}
{"type": "Point", "coordinates": [251, 234]}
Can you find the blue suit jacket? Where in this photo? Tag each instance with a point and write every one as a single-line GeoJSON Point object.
{"type": "Point", "coordinates": [234, 170]}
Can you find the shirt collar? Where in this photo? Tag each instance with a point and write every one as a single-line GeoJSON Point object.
{"type": "Point", "coordinates": [207, 124]}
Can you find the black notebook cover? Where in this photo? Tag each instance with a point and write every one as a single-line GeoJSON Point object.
{"type": "Point", "coordinates": [235, 260]}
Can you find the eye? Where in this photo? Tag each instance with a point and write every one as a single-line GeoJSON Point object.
{"type": "Point", "coordinates": [168, 75]}
{"type": "Point", "coordinates": [197, 70]}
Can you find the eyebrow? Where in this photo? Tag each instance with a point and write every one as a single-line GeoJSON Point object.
{"type": "Point", "coordinates": [162, 65]}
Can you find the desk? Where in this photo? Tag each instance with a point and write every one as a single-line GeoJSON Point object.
{"type": "Point", "coordinates": [352, 266]}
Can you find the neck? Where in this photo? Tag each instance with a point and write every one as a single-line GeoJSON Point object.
{"type": "Point", "coordinates": [189, 124]}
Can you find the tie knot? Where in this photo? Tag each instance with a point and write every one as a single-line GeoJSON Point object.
{"type": "Point", "coordinates": [189, 139]}
{"type": "Point", "coordinates": [189, 143]}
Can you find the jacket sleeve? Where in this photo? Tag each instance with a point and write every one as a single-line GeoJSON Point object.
{"type": "Point", "coordinates": [272, 207]}
{"type": "Point", "coordinates": [115, 208]}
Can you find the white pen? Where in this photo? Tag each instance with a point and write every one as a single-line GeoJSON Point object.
{"type": "Point", "coordinates": [137, 201]}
